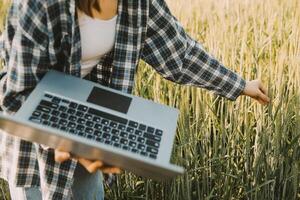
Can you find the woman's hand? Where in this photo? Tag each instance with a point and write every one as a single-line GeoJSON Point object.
{"type": "Point", "coordinates": [257, 91]}
{"type": "Point", "coordinates": [90, 166]}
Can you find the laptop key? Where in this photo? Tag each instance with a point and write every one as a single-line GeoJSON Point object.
{"type": "Point", "coordinates": [132, 137]}
{"type": "Point", "coordinates": [132, 144]}
{"type": "Point", "coordinates": [62, 122]}
{"type": "Point", "coordinates": [89, 130]}
{"type": "Point", "coordinates": [129, 129]}
{"type": "Point", "coordinates": [124, 141]}
{"type": "Point", "coordinates": [142, 127]}
{"type": "Point", "coordinates": [158, 132]}
{"type": "Point", "coordinates": [48, 96]}
{"type": "Point", "coordinates": [138, 132]}
{"type": "Point", "coordinates": [141, 147]}
{"type": "Point", "coordinates": [144, 153]}
{"type": "Point", "coordinates": [97, 133]}
{"type": "Point", "coordinates": [72, 118]}
{"type": "Point", "coordinates": [54, 125]}
{"type": "Point", "coordinates": [63, 128]}
{"type": "Point", "coordinates": [49, 104]}
{"type": "Point", "coordinates": [82, 108]}
{"type": "Point", "coordinates": [113, 124]}
{"type": "Point", "coordinates": [98, 126]}
{"type": "Point", "coordinates": [150, 129]}
{"type": "Point", "coordinates": [45, 116]}
{"type": "Point", "coordinates": [71, 111]}
{"type": "Point", "coordinates": [124, 134]}
{"type": "Point", "coordinates": [141, 139]}
{"type": "Point", "coordinates": [36, 113]}
{"type": "Point", "coordinates": [108, 142]}
{"type": "Point", "coordinates": [54, 119]}
{"type": "Point", "coordinates": [63, 108]}
{"type": "Point", "coordinates": [79, 114]}
{"type": "Point", "coordinates": [81, 133]}
{"type": "Point", "coordinates": [71, 125]}
{"type": "Point", "coordinates": [106, 129]}
{"type": "Point", "coordinates": [73, 105]}
{"type": "Point", "coordinates": [152, 137]}
{"type": "Point", "coordinates": [96, 119]}
{"type": "Point", "coordinates": [152, 143]}
{"type": "Point", "coordinates": [104, 121]}
{"type": "Point", "coordinates": [152, 156]}
{"type": "Point", "coordinates": [89, 136]}
{"type": "Point", "coordinates": [133, 124]}
{"type": "Point", "coordinates": [46, 123]}
{"type": "Point", "coordinates": [81, 121]}
{"type": "Point", "coordinates": [73, 131]}
{"type": "Point", "coordinates": [64, 115]}
{"type": "Point", "coordinates": [88, 116]}
{"type": "Point", "coordinates": [99, 139]}
{"type": "Point", "coordinates": [80, 127]}
{"type": "Point", "coordinates": [65, 101]}
{"type": "Point", "coordinates": [117, 145]}
{"type": "Point", "coordinates": [121, 127]}
{"type": "Point", "coordinates": [115, 131]}
{"type": "Point", "coordinates": [134, 151]}
{"type": "Point", "coordinates": [152, 150]}
{"type": "Point", "coordinates": [44, 109]}
{"type": "Point", "coordinates": [89, 124]}
{"type": "Point", "coordinates": [106, 136]}
{"type": "Point", "coordinates": [115, 138]}
{"type": "Point", "coordinates": [55, 112]}
{"type": "Point", "coordinates": [125, 148]}
{"type": "Point", "coordinates": [56, 100]}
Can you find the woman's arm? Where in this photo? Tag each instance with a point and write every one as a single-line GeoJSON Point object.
{"type": "Point", "coordinates": [181, 59]}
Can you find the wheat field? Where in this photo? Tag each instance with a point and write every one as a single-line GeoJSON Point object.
{"type": "Point", "coordinates": [231, 150]}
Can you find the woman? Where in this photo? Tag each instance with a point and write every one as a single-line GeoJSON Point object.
{"type": "Point", "coordinates": [102, 41]}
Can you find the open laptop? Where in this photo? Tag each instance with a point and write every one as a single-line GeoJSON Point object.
{"type": "Point", "coordinates": [98, 122]}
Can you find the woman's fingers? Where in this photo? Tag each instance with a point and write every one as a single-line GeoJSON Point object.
{"type": "Point", "coordinates": [93, 166]}
{"type": "Point", "coordinates": [256, 90]}
{"type": "Point", "coordinates": [262, 92]}
{"type": "Point", "coordinates": [61, 156]}
{"type": "Point", "coordinates": [264, 98]}
{"type": "Point", "coordinates": [111, 170]}
{"type": "Point", "coordinates": [90, 166]}
{"type": "Point", "coordinates": [263, 89]}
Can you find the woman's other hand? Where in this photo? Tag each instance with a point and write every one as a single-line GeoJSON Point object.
{"type": "Point", "coordinates": [257, 91]}
{"type": "Point", "coordinates": [89, 165]}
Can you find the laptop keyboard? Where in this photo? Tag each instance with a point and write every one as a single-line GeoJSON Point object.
{"type": "Point", "coordinates": [78, 119]}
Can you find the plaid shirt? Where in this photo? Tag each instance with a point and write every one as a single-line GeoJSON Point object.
{"type": "Point", "coordinates": [42, 35]}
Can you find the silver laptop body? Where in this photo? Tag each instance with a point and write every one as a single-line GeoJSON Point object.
{"type": "Point", "coordinates": [122, 130]}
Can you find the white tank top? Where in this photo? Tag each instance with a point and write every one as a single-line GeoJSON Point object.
{"type": "Point", "coordinates": [97, 39]}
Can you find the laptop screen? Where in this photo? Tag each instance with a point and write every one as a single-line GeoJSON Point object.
{"type": "Point", "coordinates": [108, 99]}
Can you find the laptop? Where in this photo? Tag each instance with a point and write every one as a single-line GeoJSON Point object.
{"type": "Point", "coordinates": [98, 123]}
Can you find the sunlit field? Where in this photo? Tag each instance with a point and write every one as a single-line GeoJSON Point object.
{"type": "Point", "coordinates": [231, 150]}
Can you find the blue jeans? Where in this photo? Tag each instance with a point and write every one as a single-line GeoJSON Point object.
{"type": "Point", "coordinates": [86, 186]}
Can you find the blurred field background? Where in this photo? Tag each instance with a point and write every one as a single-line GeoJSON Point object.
{"type": "Point", "coordinates": [231, 150]}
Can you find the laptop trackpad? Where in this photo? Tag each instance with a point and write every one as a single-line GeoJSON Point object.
{"type": "Point", "coordinates": [108, 99]}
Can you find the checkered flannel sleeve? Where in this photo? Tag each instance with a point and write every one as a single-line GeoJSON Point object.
{"type": "Point", "coordinates": [179, 58]}
{"type": "Point", "coordinates": [27, 62]}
